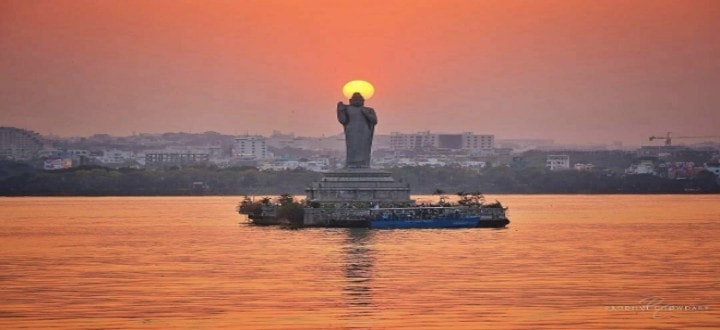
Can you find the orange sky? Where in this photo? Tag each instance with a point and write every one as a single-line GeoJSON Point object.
{"type": "Point", "coordinates": [574, 71]}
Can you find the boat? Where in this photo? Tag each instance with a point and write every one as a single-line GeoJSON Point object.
{"type": "Point", "coordinates": [265, 220]}
{"type": "Point", "coordinates": [438, 217]}
{"type": "Point", "coordinates": [469, 215]}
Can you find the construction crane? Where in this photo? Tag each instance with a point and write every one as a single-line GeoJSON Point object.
{"type": "Point", "coordinates": [668, 138]}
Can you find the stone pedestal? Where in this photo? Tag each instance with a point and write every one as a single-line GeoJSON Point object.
{"type": "Point", "coordinates": [343, 198]}
{"type": "Point", "coordinates": [349, 186]}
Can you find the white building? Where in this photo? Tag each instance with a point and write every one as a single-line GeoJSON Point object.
{"type": "Point", "coordinates": [558, 162]}
{"type": "Point", "coordinates": [472, 164]}
{"type": "Point", "coordinates": [250, 147]}
{"type": "Point", "coordinates": [176, 156]}
{"type": "Point", "coordinates": [584, 167]}
{"type": "Point", "coordinates": [115, 157]}
{"type": "Point", "coordinates": [643, 167]}
{"type": "Point", "coordinates": [315, 165]}
{"type": "Point", "coordinates": [432, 162]}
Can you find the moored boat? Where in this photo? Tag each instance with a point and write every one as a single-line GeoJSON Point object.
{"type": "Point", "coordinates": [437, 217]}
{"type": "Point", "coordinates": [287, 212]}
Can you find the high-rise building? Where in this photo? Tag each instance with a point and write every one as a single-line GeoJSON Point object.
{"type": "Point", "coordinates": [473, 143]}
{"type": "Point", "coordinates": [477, 143]}
{"type": "Point", "coordinates": [250, 147]}
{"type": "Point", "coordinates": [401, 141]}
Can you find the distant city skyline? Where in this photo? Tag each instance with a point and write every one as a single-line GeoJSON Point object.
{"type": "Point", "coordinates": [590, 72]}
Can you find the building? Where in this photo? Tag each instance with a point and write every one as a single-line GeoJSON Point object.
{"type": "Point", "coordinates": [114, 157]}
{"type": "Point", "coordinates": [176, 157]}
{"type": "Point", "coordinates": [468, 141]}
{"type": "Point", "coordinates": [250, 147]}
{"type": "Point", "coordinates": [19, 144]}
{"type": "Point", "coordinates": [580, 167]}
{"type": "Point", "coordinates": [52, 153]}
{"type": "Point", "coordinates": [400, 141]}
{"type": "Point", "coordinates": [57, 163]}
{"type": "Point", "coordinates": [644, 166]}
{"type": "Point", "coordinates": [55, 158]}
{"type": "Point", "coordinates": [475, 143]}
{"type": "Point", "coordinates": [279, 140]}
{"type": "Point", "coordinates": [78, 153]}
{"type": "Point", "coordinates": [558, 162]}
{"type": "Point", "coordinates": [315, 165]}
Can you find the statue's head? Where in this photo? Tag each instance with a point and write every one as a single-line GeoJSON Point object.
{"type": "Point", "coordinates": [357, 100]}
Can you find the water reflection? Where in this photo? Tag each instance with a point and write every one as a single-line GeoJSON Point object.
{"type": "Point", "coordinates": [357, 291]}
{"type": "Point", "coordinates": [179, 262]}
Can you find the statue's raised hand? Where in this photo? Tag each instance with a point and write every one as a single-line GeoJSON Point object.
{"type": "Point", "coordinates": [341, 106]}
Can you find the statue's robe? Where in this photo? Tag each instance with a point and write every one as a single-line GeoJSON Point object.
{"type": "Point", "coordinates": [359, 124]}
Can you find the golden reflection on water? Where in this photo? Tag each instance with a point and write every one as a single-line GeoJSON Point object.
{"type": "Point", "coordinates": [192, 262]}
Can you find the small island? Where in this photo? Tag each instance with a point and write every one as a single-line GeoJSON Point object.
{"type": "Point", "coordinates": [359, 196]}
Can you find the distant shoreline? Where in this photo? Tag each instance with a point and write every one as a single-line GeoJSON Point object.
{"type": "Point", "coordinates": [88, 181]}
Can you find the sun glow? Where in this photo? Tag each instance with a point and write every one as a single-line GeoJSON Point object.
{"type": "Point", "coordinates": [363, 87]}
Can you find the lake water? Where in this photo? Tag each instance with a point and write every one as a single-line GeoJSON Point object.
{"type": "Point", "coordinates": [578, 262]}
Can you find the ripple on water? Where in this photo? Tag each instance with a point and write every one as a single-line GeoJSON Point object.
{"type": "Point", "coordinates": [186, 262]}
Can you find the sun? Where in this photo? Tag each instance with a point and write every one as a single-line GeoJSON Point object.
{"type": "Point", "coordinates": [363, 87]}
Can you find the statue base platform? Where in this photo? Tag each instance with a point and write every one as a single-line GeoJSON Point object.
{"type": "Point", "coordinates": [341, 197]}
{"type": "Point", "coordinates": [358, 186]}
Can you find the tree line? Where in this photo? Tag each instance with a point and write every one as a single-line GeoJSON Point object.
{"type": "Point", "coordinates": [22, 180]}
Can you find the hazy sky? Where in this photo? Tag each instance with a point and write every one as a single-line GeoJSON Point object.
{"type": "Point", "coordinates": [574, 71]}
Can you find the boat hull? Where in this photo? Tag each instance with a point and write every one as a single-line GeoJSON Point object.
{"type": "Point", "coordinates": [468, 222]}
{"type": "Point", "coordinates": [496, 223]}
{"type": "Point", "coordinates": [260, 220]}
